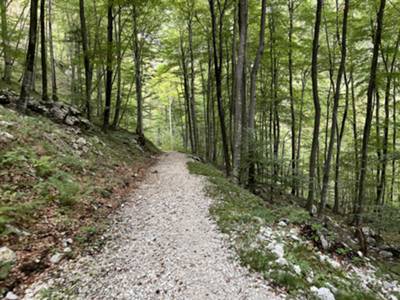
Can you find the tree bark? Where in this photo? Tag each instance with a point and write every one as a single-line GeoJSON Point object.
{"type": "Point", "coordinates": [138, 76]}
{"type": "Point", "coordinates": [252, 105]}
{"type": "Point", "coordinates": [292, 108]}
{"type": "Point", "coordinates": [27, 81]}
{"type": "Point", "coordinates": [217, 51]}
{"type": "Point", "coordinates": [109, 68]}
{"type": "Point", "coordinates": [327, 165]}
{"type": "Point", "coordinates": [192, 86]}
{"type": "Point", "coordinates": [45, 96]}
{"type": "Point", "coordinates": [367, 127]}
{"type": "Point", "coordinates": [86, 59]}
{"type": "Point", "coordinates": [118, 37]}
{"type": "Point", "coordinates": [239, 101]}
{"type": "Point", "coordinates": [340, 134]}
{"type": "Point", "coordinates": [389, 70]}
{"type": "Point", "coordinates": [317, 106]}
{"type": "Point", "coordinates": [6, 42]}
{"type": "Point", "coordinates": [54, 95]}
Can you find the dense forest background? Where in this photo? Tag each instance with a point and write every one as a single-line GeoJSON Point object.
{"type": "Point", "coordinates": [287, 96]}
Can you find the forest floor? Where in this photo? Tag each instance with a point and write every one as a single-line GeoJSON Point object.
{"type": "Point", "coordinates": [58, 185]}
{"type": "Point", "coordinates": [162, 244]}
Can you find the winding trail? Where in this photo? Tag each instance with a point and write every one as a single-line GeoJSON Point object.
{"type": "Point", "coordinates": [164, 245]}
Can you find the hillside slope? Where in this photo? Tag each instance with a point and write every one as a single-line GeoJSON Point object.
{"type": "Point", "coordinates": [307, 257]}
{"type": "Point", "coordinates": [57, 184]}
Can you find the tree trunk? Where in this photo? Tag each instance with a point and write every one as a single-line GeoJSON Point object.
{"type": "Point", "coordinates": [138, 77]}
{"type": "Point", "coordinates": [252, 105]}
{"type": "Point", "coordinates": [389, 71]}
{"type": "Point", "coordinates": [6, 42]}
{"type": "Point", "coordinates": [186, 92]}
{"type": "Point", "coordinates": [292, 109]}
{"type": "Point", "coordinates": [218, 79]}
{"type": "Point", "coordinates": [54, 96]}
{"type": "Point", "coordinates": [367, 127]}
{"type": "Point", "coordinates": [45, 96]}
{"type": "Point", "coordinates": [30, 58]}
{"type": "Point", "coordinates": [192, 88]}
{"type": "Point", "coordinates": [86, 58]}
{"type": "Point", "coordinates": [340, 134]}
{"type": "Point", "coordinates": [118, 102]}
{"type": "Point", "coordinates": [317, 107]}
{"type": "Point", "coordinates": [109, 72]}
{"type": "Point", "coordinates": [327, 165]}
{"type": "Point", "coordinates": [239, 100]}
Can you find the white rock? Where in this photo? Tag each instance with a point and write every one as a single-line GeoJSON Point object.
{"type": "Point", "coordinates": [386, 254]}
{"type": "Point", "coordinates": [11, 296]}
{"type": "Point", "coordinates": [6, 124]}
{"type": "Point", "coordinates": [322, 293]}
{"type": "Point", "coordinates": [56, 258]}
{"type": "Point", "coordinates": [7, 255]}
{"type": "Point", "coordinates": [324, 242]}
{"type": "Point", "coordinates": [297, 269]}
{"type": "Point", "coordinates": [331, 287]}
{"type": "Point", "coordinates": [313, 210]}
{"type": "Point", "coordinates": [6, 137]}
{"type": "Point", "coordinates": [67, 250]}
{"type": "Point", "coordinates": [277, 249]}
{"type": "Point", "coordinates": [81, 141]}
{"type": "Point", "coordinates": [360, 254]}
{"type": "Point", "coordinates": [281, 261]}
{"type": "Point", "coordinates": [282, 224]}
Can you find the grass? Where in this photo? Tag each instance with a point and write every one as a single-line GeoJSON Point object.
{"type": "Point", "coordinates": [51, 190]}
{"type": "Point", "coordinates": [40, 167]}
{"type": "Point", "coordinates": [241, 214]}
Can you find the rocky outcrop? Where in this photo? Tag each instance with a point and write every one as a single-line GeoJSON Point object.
{"type": "Point", "coordinates": [58, 111]}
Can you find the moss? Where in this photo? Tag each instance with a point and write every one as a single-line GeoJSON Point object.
{"type": "Point", "coordinates": [204, 169]}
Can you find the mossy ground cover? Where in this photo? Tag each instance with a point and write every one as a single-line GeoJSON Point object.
{"type": "Point", "coordinates": [55, 181]}
{"type": "Point", "coordinates": [241, 215]}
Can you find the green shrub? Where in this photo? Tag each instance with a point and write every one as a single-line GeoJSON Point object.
{"type": "Point", "coordinates": [60, 187]}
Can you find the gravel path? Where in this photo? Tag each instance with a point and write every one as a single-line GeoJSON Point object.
{"type": "Point", "coordinates": [163, 245]}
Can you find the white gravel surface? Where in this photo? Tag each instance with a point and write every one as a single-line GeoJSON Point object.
{"type": "Point", "coordinates": [164, 245]}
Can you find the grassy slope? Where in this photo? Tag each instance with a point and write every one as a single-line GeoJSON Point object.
{"type": "Point", "coordinates": [242, 214]}
{"type": "Point", "coordinates": [58, 182]}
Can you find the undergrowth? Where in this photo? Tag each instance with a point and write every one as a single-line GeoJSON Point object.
{"type": "Point", "coordinates": [241, 214]}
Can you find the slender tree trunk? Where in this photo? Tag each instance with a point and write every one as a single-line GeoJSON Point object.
{"type": "Point", "coordinates": [27, 80]}
{"type": "Point", "coordinates": [86, 59]}
{"type": "Point", "coordinates": [54, 96]}
{"type": "Point", "coordinates": [394, 143]}
{"type": "Point", "coordinates": [252, 106]}
{"type": "Point", "coordinates": [327, 165]}
{"type": "Point", "coordinates": [336, 206]}
{"type": "Point", "coordinates": [192, 88]}
{"type": "Point", "coordinates": [292, 108]}
{"type": "Point", "coordinates": [217, 51]}
{"type": "Point", "coordinates": [45, 96]}
{"type": "Point", "coordinates": [186, 92]}
{"type": "Point", "coordinates": [317, 106]}
{"type": "Point", "coordinates": [233, 70]}
{"type": "Point", "coordinates": [109, 68]}
{"type": "Point", "coordinates": [389, 71]}
{"type": "Point", "coordinates": [300, 126]}
{"type": "Point", "coordinates": [119, 76]}
{"type": "Point", "coordinates": [6, 42]}
{"type": "Point", "coordinates": [239, 101]}
{"type": "Point", "coordinates": [367, 127]}
{"type": "Point", "coordinates": [138, 76]}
